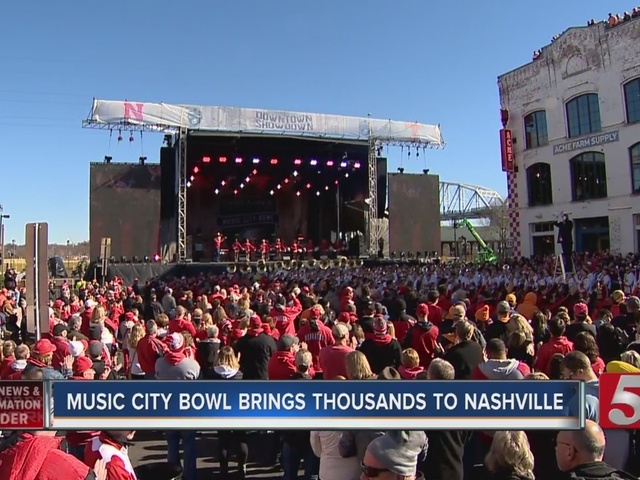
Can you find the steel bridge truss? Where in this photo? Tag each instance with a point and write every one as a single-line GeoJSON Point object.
{"type": "Point", "coordinates": [459, 200]}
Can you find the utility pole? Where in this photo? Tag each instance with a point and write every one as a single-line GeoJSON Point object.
{"type": "Point", "coordinates": [2, 218]}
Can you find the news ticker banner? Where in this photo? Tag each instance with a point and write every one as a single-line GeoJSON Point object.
{"type": "Point", "coordinates": [321, 405]}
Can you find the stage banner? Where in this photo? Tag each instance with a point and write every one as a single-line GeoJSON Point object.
{"type": "Point", "coordinates": [22, 405]}
{"type": "Point", "coordinates": [337, 405]}
{"type": "Point", "coordinates": [258, 121]}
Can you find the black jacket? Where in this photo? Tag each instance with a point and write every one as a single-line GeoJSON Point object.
{"type": "Point", "coordinates": [381, 355]}
{"type": "Point", "coordinates": [465, 357]}
{"type": "Point", "coordinates": [255, 352]}
{"type": "Point", "coordinates": [444, 458]}
{"type": "Point", "coordinates": [597, 471]}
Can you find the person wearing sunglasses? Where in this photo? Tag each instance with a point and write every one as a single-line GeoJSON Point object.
{"type": "Point", "coordinates": [394, 456]}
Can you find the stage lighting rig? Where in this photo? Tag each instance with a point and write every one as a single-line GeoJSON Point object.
{"type": "Point", "coordinates": [401, 170]}
{"type": "Point", "coordinates": [135, 259]}
{"type": "Point", "coordinates": [123, 259]}
{"type": "Point", "coordinates": [107, 159]}
{"type": "Point", "coordinates": [142, 160]}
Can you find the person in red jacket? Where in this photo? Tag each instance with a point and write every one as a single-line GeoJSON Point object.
{"type": "Point", "coordinates": [558, 343]}
{"type": "Point", "coordinates": [181, 323]}
{"type": "Point", "coordinates": [38, 456]}
{"type": "Point", "coordinates": [62, 345]}
{"type": "Point", "coordinates": [333, 358]}
{"type": "Point", "coordinates": [316, 335]}
{"type": "Point", "coordinates": [149, 349]}
{"type": "Point", "coordinates": [86, 315]}
{"type": "Point", "coordinates": [282, 364]}
{"type": "Point", "coordinates": [423, 337]}
{"type": "Point", "coordinates": [285, 316]}
{"type": "Point", "coordinates": [435, 311]}
{"type": "Point", "coordinates": [112, 448]}
{"type": "Point", "coordinates": [264, 249]}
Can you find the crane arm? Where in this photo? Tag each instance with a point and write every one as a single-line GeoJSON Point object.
{"type": "Point", "coordinates": [473, 232]}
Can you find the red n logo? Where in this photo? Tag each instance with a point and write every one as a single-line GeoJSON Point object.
{"type": "Point", "coordinates": [133, 111]}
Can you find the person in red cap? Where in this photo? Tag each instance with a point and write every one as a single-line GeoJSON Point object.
{"type": "Point", "coordinates": [381, 349]}
{"type": "Point", "coordinates": [42, 357]}
{"type": "Point", "coordinates": [580, 322]}
{"type": "Point", "coordinates": [111, 447]}
{"type": "Point", "coordinates": [423, 337]}
{"type": "Point", "coordinates": [316, 335]}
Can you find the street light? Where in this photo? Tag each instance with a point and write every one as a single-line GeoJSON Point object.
{"type": "Point", "coordinates": [2, 218]}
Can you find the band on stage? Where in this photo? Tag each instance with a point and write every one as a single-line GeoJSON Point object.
{"type": "Point", "coordinates": [231, 250]}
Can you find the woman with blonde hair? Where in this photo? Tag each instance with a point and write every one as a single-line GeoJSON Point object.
{"type": "Point", "coordinates": [220, 316]}
{"type": "Point", "coordinates": [358, 367]}
{"type": "Point", "coordinates": [135, 335]}
{"type": "Point", "coordinates": [98, 324]}
{"type": "Point", "coordinates": [509, 457]}
{"type": "Point", "coordinates": [631, 357]}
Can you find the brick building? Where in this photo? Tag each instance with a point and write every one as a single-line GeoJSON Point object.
{"type": "Point", "coordinates": [574, 115]}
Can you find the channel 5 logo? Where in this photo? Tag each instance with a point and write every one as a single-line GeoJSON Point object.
{"type": "Point", "coordinates": [620, 401]}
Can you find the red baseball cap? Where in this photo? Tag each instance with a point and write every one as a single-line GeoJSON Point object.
{"type": "Point", "coordinates": [81, 365]}
{"type": "Point", "coordinates": [44, 347]}
{"type": "Point", "coordinates": [422, 310]}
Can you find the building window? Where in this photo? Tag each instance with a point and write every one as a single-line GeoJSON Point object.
{"type": "Point", "coordinates": [539, 184]}
{"type": "Point", "coordinates": [535, 129]}
{"type": "Point", "coordinates": [634, 154]}
{"type": "Point", "coordinates": [588, 176]}
{"type": "Point", "coordinates": [632, 100]}
{"type": "Point", "coordinates": [583, 115]}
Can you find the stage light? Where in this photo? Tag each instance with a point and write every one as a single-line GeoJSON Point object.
{"type": "Point", "coordinates": [156, 258]}
{"type": "Point", "coordinates": [256, 160]}
{"type": "Point", "coordinates": [235, 192]}
{"type": "Point", "coordinates": [425, 171]}
{"type": "Point", "coordinates": [196, 169]}
{"type": "Point", "coordinates": [142, 160]}
{"type": "Point", "coordinates": [247, 179]}
{"type": "Point", "coordinates": [278, 186]}
{"type": "Point", "coordinates": [147, 259]}
{"type": "Point", "coordinates": [336, 182]}
{"type": "Point", "coordinates": [255, 172]}
{"type": "Point", "coordinates": [297, 194]}
{"type": "Point", "coordinates": [242, 185]}
{"type": "Point", "coordinates": [222, 159]}
{"type": "Point", "coordinates": [295, 174]}
{"type": "Point", "coordinates": [330, 163]}
{"type": "Point", "coordinates": [318, 193]}
{"type": "Point", "coordinates": [188, 184]}
{"type": "Point", "coordinates": [314, 162]}
{"type": "Point", "coordinates": [192, 178]}
{"type": "Point", "coordinates": [206, 159]}
{"type": "Point", "coordinates": [216, 191]}
{"type": "Point", "coordinates": [346, 175]}
{"type": "Point", "coordinates": [286, 180]}
{"type": "Point", "coordinates": [274, 161]}
{"type": "Point", "coordinates": [107, 159]}
{"type": "Point", "coordinates": [343, 164]}
{"type": "Point", "coordinates": [271, 192]}
{"type": "Point", "coordinates": [223, 183]}
{"type": "Point", "coordinates": [356, 165]}
{"type": "Point", "coordinates": [238, 160]}
{"type": "Point", "coordinates": [400, 170]}
{"type": "Point", "coordinates": [297, 161]}
{"type": "Point", "coordinates": [308, 185]}
{"type": "Point", "coordinates": [327, 187]}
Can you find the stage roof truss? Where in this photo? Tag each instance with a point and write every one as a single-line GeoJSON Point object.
{"type": "Point", "coordinates": [459, 200]}
{"type": "Point", "coordinates": [167, 118]}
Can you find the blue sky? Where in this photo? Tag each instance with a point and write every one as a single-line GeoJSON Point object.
{"type": "Point", "coordinates": [425, 60]}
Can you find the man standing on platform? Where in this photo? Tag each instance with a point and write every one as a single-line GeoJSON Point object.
{"type": "Point", "coordinates": [248, 249]}
{"type": "Point", "coordinates": [217, 246]}
{"type": "Point", "coordinates": [279, 248]}
{"type": "Point", "coordinates": [264, 249]}
{"type": "Point", "coordinates": [236, 247]}
{"type": "Point", "coordinates": [565, 238]}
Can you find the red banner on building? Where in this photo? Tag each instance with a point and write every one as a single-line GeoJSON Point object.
{"type": "Point", "coordinates": [506, 148]}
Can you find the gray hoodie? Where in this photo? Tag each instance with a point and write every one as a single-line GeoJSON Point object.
{"type": "Point", "coordinates": [185, 369]}
{"type": "Point", "coordinates": [501, 369]}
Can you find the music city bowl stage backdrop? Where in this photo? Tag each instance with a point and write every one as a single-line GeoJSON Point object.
{"type": "Point", "coordinates": [335, 405]}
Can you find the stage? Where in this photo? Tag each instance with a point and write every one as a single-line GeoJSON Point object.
{"type": "Point", "coordinates": [166, 272]}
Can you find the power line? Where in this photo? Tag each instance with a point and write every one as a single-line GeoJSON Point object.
{"type": "Point", "coordinates": [45, 102]}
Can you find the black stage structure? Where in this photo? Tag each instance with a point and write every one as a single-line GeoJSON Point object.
{"type": "Point", "coordinates": [214, 157]}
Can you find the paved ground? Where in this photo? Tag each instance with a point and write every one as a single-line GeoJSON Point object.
{"type": "Point", "coordinates": [150, 447]}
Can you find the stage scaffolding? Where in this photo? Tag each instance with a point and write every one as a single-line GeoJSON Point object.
{"type": "Point", "coordinates": [180, 121]}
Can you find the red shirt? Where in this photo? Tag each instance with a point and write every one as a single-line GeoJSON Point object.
{"type": "Point", "coordinates": [434, 314]}
{"type": "Point", "coordinates": [560, 345]}
{"type": "Point", "coordinates": [115, 456]}
{"type": "Point", "coordinates": [62, 350]}
{"type": "Point", "coordinates": [332, 361]}
{"type": "Point", "coordinates": [179, 325]}
{"type": "Point", "coordinates": [316, 340]}
{"type": "Point", "coordinates": [285, 318]}
{"type": "Point", "coordinates": [281, 365]}
{"type": "Point", "coordinates": [149, 349]}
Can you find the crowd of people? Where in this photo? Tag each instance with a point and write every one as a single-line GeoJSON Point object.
{"type": "Point", "coordinates": [613, 20]}
{"type": "Point", "coordinates": [439, 321]}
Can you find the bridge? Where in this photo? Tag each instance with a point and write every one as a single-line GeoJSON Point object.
{"type": "Point", "coordinates": [459, 200]}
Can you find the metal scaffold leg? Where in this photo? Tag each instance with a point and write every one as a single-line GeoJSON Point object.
{"type": "Point", "coordinates": [182, 195]}
{"type": "Point", "coordinates": [372, 212]}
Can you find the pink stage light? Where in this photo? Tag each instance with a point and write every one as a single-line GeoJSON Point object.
{"type": "Point", "coordinates": [247, 179]}
{"type": "Point", "coordinates": [308, 185]}
{"type": "Point", "coordinates": [329, 163]}
{"type": "Point", "coordinates": [192, 178]}
{"type": "Point", "coordinates": [223, 183]}
{"type": "Point", "coordinates": [327, 187]}
{"type": "Point", "coordinates": [156, 258]}
{"type": "Point", "coordinates": [278, 186]}
{"type": "Point", "coordinates": [356, 165]}
{"type": "Point", "coordinates": [274, 161]}
{"type": "Point", "coordinates": [297, 194]}
{"type": "Point", "coordinates": [206, 159]}
{"type": "Point", "coordinates": [255, 172]}
{"type": "Point", "coordinates": [222, 159]}
{"type": "Point", "coordinates": [238, 160]}
{"type": "Point", "coordinates": [297, 161]}
{"type": "Point", "coordinates": [235, 192]}
{"type": "Point", "coordinates": [336, 182]}
{"type": "Point", "coordinates": [196, 169]}
{"type": "Point", "coordinates": [286, 180]}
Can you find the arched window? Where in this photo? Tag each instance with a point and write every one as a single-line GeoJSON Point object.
{"type": "Point", "coordinates": [588, 176]}
{"type": "Point", "coordinates": [583, 115]}
{"type": "Point", "coordinates": [632, 100]}
{"type": "Point", "coordinates": [634, 156]}
{"type": "Point", "coordinates": [539, 184]}
{"type": "Point", "coordinates": [535, 129]}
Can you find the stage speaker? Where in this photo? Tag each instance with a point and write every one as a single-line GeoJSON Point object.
{"type": "Point", "coordinates": [382, 186]}
{"type": "Point", "coordinates": [168, 195]}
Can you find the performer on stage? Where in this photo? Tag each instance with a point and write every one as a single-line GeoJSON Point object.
{"type": "Point", "coordinates": [264, 249]}
{"type": "Point", "coordinates": [237, 248]}
{"type": "Point", "coordinates": [248, 248]}
{"type": "Point", "coordinates": [295, 250]}
{"type": "Point", "coordinates": [217, 246]}
{"type": "Point", "coordinates": [279, 248]}
{"type": "Point", "coordinates": [310, 248]}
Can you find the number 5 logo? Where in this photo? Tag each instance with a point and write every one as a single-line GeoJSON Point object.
{"type": "Point", "coordinates": [619, 401]}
